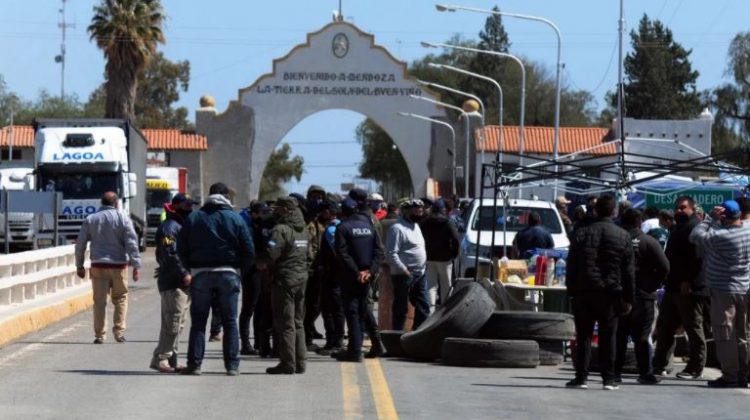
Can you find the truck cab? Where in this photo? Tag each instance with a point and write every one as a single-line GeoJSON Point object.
{"type": "Point", "coordinates": [162, 184]}
{"type": "Point", "coordinates": [83, 159]}
{"type": "Point", "coordinates": [22, 226]}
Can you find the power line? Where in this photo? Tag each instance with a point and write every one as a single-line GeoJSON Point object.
{"type": "Point", "coordinates": [606, 72]}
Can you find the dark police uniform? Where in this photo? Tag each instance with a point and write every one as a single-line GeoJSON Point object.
{"type": "Point", "coordinates": [288, 253]}
{"type": "Point", "coordinates": [359, 248]}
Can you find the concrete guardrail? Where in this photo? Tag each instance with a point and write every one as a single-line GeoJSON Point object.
{"type": "Point", "coordinates": [27, 275]}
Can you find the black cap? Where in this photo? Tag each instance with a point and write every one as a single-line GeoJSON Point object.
{"type": "Point", "coordinates": [258, 206]}
{"type": "Point", "coordinates": [357, 194]}
{"type": "Point", "coordinates": [180, 198]}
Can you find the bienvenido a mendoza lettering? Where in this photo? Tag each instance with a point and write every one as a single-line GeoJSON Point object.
{"type": "Point", "coordinates": [337, 90]}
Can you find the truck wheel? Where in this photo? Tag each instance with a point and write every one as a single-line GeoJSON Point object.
{"type": "Point", "coordinates": [528, 325]}
{"type": "Point", "coordinates": [392, 341]}
{"type": "Point", "coordinates": [474, 352]}
{"type": "Point", "coordinates": [462, 315]}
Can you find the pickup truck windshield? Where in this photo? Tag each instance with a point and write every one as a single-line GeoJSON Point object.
{"type": "Point", "coordinates": [81, 186]}
{"type": "Point", "coordinates": [157, 198]}
{"type": "Point", "coordinates": [516, 219]}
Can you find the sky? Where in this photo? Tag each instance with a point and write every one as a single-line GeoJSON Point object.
{"type": "Point", "coordinates": [230, 43]}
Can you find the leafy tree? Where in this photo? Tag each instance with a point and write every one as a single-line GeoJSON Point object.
{"type": "Point", "coordinates": [280, 168]}
{"type": "Point", "coordinates": [9, 102]}
{"type": "Point", "coordinates": [158, 90]}
{"type": "Point", "coordinates": [127, 31]}
{"type": "Point", "coordinates": [660, 82]}
{"type": "Point", "coordinates": [730, 102]}
{"type": "Point", "coordinates": [382, 160]}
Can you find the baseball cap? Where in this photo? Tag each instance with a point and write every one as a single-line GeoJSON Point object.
{"type": "Point", "coordinates": [731, 209]}
{"type": "Point", "coordinates": [288, 202]}
{"type": "Point", "coordinates": [438, 204]}
{"type": "Point", "coordinates": [358, 195]}
{"type": "Point", "coordinates": [348, 204]}
{"type": "Point", "coordinates": [375, 197]}
{"type": "Point", "coordinates": [258, 206]}
{"type": "Point", "coordinates": [180, 198]}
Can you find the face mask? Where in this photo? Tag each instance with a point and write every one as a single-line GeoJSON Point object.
{"type": "Point", "coordinates": [681, 218]}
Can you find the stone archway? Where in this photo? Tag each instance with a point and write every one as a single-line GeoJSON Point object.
{"type": "Point", "coordinates": [339, 67]}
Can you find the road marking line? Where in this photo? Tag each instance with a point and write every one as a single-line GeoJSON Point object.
{"type": "Point", "coordinates": [30, 348]}
{"type": "Point", "coordinates": [380, 391]}
{"type": "Point", "coordinates": [350, 391]}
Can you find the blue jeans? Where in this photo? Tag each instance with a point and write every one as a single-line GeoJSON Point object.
{"type": "Point", "coordinates": [225, 287]}
{"type": "Point", "coordinates": [409, 289]}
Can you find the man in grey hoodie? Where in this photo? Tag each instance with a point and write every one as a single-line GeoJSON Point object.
{"type": "Point", "coordinates": [407, 257]}
{"type": "Point", "coordinates": [726, 243]}
{"type": "Point", "coordinates": [114, 245]}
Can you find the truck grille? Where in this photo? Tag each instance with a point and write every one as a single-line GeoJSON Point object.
{"type": "Point", "coordinates": [154, 219]}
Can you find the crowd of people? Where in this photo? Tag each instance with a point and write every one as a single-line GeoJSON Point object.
{"type": "Point", "coordinates": [696, 265]}
{"type": "Point", "coordinates": [279, 266]}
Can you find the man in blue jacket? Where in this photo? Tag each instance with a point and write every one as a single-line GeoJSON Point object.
{"type": "Point", "coordinates": [215, 245]}
{"type": "Point", "coordinates": [173, 280]}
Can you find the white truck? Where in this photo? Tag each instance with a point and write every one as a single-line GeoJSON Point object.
{"type": "Point", "coordinates": [162, 183]}
{"type": "Point", "coordinates": [22, 226]}
{"type": "Point", "coordinates": [83, 159]}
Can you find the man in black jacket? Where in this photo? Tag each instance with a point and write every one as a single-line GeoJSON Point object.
{"type": "Point", "coordinates": [651, 268]}
{"type": "Point", "coordinates": [441, 242]}
{"type": "Point", "coordinates": [360, 252]}
{"type": "Point", "coordinates": [601, 281]}
{"type": "Point", "coordinates": [686, 300]}
{"type": "Point", "coordinates": [173, 280]}
{"type": "Point", "coordinates": [215, 245]}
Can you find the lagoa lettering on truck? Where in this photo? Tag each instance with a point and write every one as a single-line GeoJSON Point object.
{"type": "Point", "coordinates": [78, 156]}
{"type": "Point", "coordinates": [78, 210]}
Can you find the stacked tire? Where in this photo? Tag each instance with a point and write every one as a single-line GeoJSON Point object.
{"type": "Point", "coordinates": [550, 330]}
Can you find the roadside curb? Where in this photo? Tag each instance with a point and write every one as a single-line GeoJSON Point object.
{"type": "Point", "coordinates": [39, 318]}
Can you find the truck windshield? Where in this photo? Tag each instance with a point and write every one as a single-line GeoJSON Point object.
{"type": "Point", "coordinates": [81, 186]}
{"type": "Point", "coordinates": [157, 198]}
{"type": "Point", "coordinates": [516, 219]}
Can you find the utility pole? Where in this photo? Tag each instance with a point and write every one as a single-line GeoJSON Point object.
{"type": "Point", "coordinates": [10, 138]}
{"type": "Point", "coordinates": [63, 25]}
{"type": "Point", "coordinates": [621, 96]}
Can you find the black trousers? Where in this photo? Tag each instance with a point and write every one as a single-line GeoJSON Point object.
{"type": "Point", "coordinates": [409, 289]}
{"type": "Point", "coordinates": [250, 296]}
{"type": "Point", "coordinates": [263, 320]}
{"type": "Point", "coordinates": [690, 312]}
{"type": "Point", "coordinates": [637, 326]}
{"type": "Point", "coordinates": [332, 310]}
{"type": "Point", "coordinates": [590, 308]}
{"type": "Point", "coordinates": [355, 309]}
{"type": "Point", "coordinates": [312, 305]}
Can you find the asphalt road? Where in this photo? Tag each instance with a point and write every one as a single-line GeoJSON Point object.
{"type": "Point", "coordinates": [58, 374]}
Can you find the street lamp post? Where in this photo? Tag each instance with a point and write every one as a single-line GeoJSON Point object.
{"type": "Point", "coordinates": [481, 107]}
{"type": "Point", "coordinates": [522, 116]}
{"type": "Point", "coordinates": [499, 95]}
{"type": "Point", "coordinates": [556, 142]}
{"type": "Point", "coordinates": [453, 137]}
{"type": "Point", "coordinates": [466, 125]}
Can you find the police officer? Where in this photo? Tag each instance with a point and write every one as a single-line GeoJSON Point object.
{"type": "Point", "coordinates": [359, 248]}
{"type": "Point", "coordinates": [288, 256]}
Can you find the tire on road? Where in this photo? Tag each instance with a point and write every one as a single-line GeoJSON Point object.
{"type": "Point", "coordinates": [551, 352]}
{"type": "Point", "coordinates": [477, 352]}
{"type": "Point", "coordinates": [462, 315]}
{"type": "Point", "coordinates": [392, 341]}
{"type": "Point", "coordinates": [528, 325]}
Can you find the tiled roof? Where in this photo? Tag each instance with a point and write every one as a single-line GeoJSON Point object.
{"type": "Point", "coordinates": [158, 139]}
{"type": "Point", "coordinates": [539, 140]}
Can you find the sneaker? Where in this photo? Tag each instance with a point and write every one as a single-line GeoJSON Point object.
{"type": "Point", "coordinates": [577, 384]}
{"type": "Point", "coordinates": [375, 351]}
{"type": "Point", "coordinates": [610, 386]}
{"type": "Point", "coordinates": [661, 372]}
{"type": "Point", "coordinates": [300, 369]}
{"type": "Point", "coordinates": [327, 351]}
{"type": "Point", "coordinates": [162, 366]}
{"type": "Point", "coordinates": [248, 351]}
{"type": "Point", "coordinates": [617, 379]}
{"type": "Point", "coordinates": [233, 372]}
{"type": "Point", "coordinates": [120, 339]}
{"type": "Point", "coordinates": [689, 375]}
{"type": "Point", "coordinates": [648, 380]}
{"type": "Point", "coordinates": [724, 383]}
{"type": "Point", "coordinates": [191, 370]}
{"type": "Point", "coordinates": [215, 337]}
{"type": "Point", "coordinates": [280, 370]}
{"type": "Point", "coordinates": [98, 341]}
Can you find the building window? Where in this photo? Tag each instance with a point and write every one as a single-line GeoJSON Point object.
{"type": "Point", "coordinates": [5, 154]}
{"type": "Point", "coordinates": [155, 159]}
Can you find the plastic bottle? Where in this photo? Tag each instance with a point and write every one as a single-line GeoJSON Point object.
{"type": "Point", "coordinates": [541, 270]}
{"type": "Point", "coordinates": [503, 275]}
{"type": "Point", "coordinates": [560, 271]}
{"type": "Point", "coordinates": [549, 276]}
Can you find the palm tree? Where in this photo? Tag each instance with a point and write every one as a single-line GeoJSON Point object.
{"type": "Point", "coordinates": [127, 31]}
